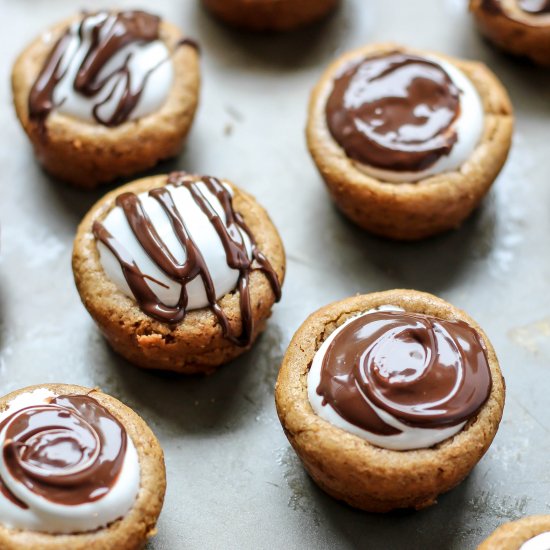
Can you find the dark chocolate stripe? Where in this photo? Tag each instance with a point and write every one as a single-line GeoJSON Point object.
{"type": "Point", "coordinates": [115, 32]}
{"type": "Point", "coordinates": [229, 231]}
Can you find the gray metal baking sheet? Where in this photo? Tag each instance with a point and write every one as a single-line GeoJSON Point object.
{"type": "Point", "coordinates": [233, 481]}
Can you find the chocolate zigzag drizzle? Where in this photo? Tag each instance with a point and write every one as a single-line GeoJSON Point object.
{"type": "Point", "coordinates": [69, 451]}
{"type": "Point", "coordinates": [426, 372]}
{"type": "Point", "coordinates": [394, 111]}
{"type": "Point", "coordinates": [229, 231]}
{"type": "Point", "coordinates": [114, 32]}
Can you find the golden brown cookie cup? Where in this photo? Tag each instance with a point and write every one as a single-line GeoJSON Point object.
{"type": "Point", "coordinates": [409, 211]}
{"type": "Point", "coordinates": [87, 154]}
{"type": "Point", "coordinates": [270, 15]}
{"type": "Point", "coordinates": [511, 536]}
{"type": "Point", "coordinates": [196, 344]}
{"type": "Point", "coordinates": [348, 467]}
{"type": "Point", "coordinates": [132, 531]}
{"type": "Point", "coordinates": [514, 30]}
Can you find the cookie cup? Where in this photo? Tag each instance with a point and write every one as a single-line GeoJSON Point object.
{"type": "Point", "coordinates": [270, 15]}
{"type": "Point", "coordinates": [515, 31]}
{"type": "Point", "coordinates": [409, 211]}
{"type": "Point", "coordinates": [86, 154]}
{"type": "Point", "coordinates": [348, 467]}
{"type": "Point", "coordinates": [196, 344]}
{"type": "Point", "coordinates": [128, 533]}
{"type": "Point", "coordinates": [511, 536]}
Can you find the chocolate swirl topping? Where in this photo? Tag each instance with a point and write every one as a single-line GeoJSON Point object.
{"type": "Point", "coordinates": [394, 111]}
{"type": "Point", "coordinates": [112, 33]}
{"type": "Point", "coordinates": [69, 451]}
{"type": "Point", "coordinates": [229, 231]}
{"type": "Point", "coordinates": [425, 372]}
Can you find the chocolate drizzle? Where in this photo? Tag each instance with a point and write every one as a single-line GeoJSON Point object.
{"type": "Point", "coordinates": [69, 451]}
{"type": "Point", "coordinates": [230, 231]}
{"type": "Point", "coordinates": [112, 33]}
{"type": "Point", "coordinates": [425, 372]}
{"type": "Point", "coordinates": [394, 111]}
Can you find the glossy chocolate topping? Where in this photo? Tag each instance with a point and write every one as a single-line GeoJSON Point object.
{"type": "Point", "coordinates": [114, 32]}
{"type": "Point", "coordinates": [229, 231]}
{"type": "Point", "coordinates": [537, 7]}
{"type": "Point", "coordinates": [69, 451]}
{"type": "Point", "coordinates": [394, 111]}
{"type": "Point", "coordinates": [425, 372]}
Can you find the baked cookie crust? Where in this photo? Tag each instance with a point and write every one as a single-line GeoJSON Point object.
{"type": "Point", "coordinates": [348, 467]}
{"type": "Point", "coordinates": [511, 536]}
{"type": "Point", "coordinates": [86, 154]}
{"type": "Point", "coordinates": [197, 343]}
{"type": "Point", "coordinates": [410, 211]}
{"type": "Point", "coordinates": [132, 531]}
{"type": "Point", "coordinates": [514, 30]}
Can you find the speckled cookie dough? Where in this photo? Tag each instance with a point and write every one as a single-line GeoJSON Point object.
{"type": "Point", "coordinates": [411, 200]}
{"type": "Point", "coordinates": [530, 533]}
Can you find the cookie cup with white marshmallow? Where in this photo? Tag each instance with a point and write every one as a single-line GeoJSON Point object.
{"type": "Point", "coordinates": [408, 142]}
{"type": "Point", "coordinates": [89, 474]}
{"type": "Point", "coordinates": [180, 271]}
{"type": "Point", "coordinates": [390, 399]}
{"type": "Point", "coordinates": [98, 110]}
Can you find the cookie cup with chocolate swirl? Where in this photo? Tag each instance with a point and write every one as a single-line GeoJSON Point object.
{"type": "Point", "coordinates": [415, 206]}
{"type": "Point", "coordinates": [194, 339]}
{"type": "Point", "coordinates": [511, 536]}
{"type": "Point", "coordinates": [86, 153]}
{"type": "Point", "coordinates": [127, 532]}
{"type": "Point", "coordinates": [346, 465]}
{"type": "Point", "coordinates": [513, 29]}
{"type": "Point", "coordinates": [270, 15]}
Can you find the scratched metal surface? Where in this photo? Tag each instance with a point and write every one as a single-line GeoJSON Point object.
{"type": "Point", "coordinates": [233, 481]}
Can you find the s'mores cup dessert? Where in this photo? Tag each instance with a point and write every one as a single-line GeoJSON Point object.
{"type": "Point", "coordinates": [530, 533]}
{"type": "Point", "coordinates": [78, 470]}
{"type": "Point", "coordinates": [180, 272]}
{"type": "Point", "coordinates": [519, 27]}
{"type": "Point", "coordinates": [408, 142]}
{"type": "Point", "coordinates": [270, 15]}
{"type": "Point", "coordinates": [107, 94]}
{"type": "Point", "coordinates": [390, 399]}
